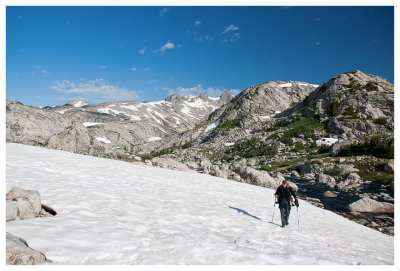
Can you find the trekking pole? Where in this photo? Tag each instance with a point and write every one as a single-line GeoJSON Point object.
{"type": "Point", "coordinates": [273, 212]}
{"type": "Point", "coordinates": [297, 209]}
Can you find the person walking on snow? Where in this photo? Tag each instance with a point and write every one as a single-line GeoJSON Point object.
{"type": "Point", "coordinates": [283, 196]}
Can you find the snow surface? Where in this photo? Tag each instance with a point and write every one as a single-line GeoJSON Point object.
{"type": "Point", "coordinates": [107, 110]}
{"type": "Point", "coordinates": [80, 104]}
{"type": "Point", "coordinates": [130, 107]}
{"type": "Point", "coordinates": [213, 125]}
{"type": "Point", "coordinates": [229, 144]}
{"type": "Point", "coordinates": [287, 85]}
{"type": "Point", "coordinates": [63, 111]}
{"type": "Point", "coordinates": [115, 212]}
{"type": "Point", "coordinates": [103, 139]}
{"type": "Point", "coordinates": [151, 139]}
{"type": "Point", "coordinates": [327, 141]}
{"type": "Point", "coordinates": [265, 117]}
{"type": "Point", "coordinates": [89, 124]}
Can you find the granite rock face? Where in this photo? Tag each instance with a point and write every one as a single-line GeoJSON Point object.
{"type": "Point", "coordinates": [367, 205]}
{"type": "Point", "coordinates": [19, 253]}
{"type": "Point", "coordinates": [27, 201]}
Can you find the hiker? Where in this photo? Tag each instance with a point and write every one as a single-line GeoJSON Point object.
{"type": "Point", "coordinates": [283, 196]}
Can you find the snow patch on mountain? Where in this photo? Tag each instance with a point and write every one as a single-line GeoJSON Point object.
{"type": "Point", "coordinates": [103, 139]}
{"type": "Point", "coordinates": [286, 85]}
{"type": "Point", "coordinates": [90, 124]}
{"type": "Point", "coordinates": [80, 104]}
{"type": "Point", "coordinates": [213, 125]}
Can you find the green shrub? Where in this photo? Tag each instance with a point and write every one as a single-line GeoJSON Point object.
{"type": "Point", "coordinates": [333, 108]}
{"type": "Point", "coordinates": [299, 146]}
{"type": "Point", "coordinates": [381, 121]}
{"type": "Point", "coordinates": [354, 85]}
{"type": "Point", "coordinates": [164, 151]}
{"type": "Point", "coordinates": [324, 149]}
{"type": "Point", "coordinates": [294, 104]}
{"type": "Point", "coordinates": [371, 170]}
{"type": "Point", "coordinates": [371, 86]}
{"type": "Point", "coordinates": [301, 126]}
{"type": "Point", "coordinates": [146, 156]}
{"type": "Point", "coordinates": [187, 145]}
{"type": "Point", "coordinates": [350, 112]}
{"type": "Point", "coordinates": [230, 124]}
{"type": "Point", "coordinates": [252, 148]}
{"type": "Point", "coordinates": [381, 147]}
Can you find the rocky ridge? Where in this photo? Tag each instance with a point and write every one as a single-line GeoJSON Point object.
{"type": "Point", "coordinates": [108, 129]}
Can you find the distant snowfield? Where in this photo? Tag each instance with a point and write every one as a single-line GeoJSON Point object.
{"type": "Point", "coordinates": [114, 212]}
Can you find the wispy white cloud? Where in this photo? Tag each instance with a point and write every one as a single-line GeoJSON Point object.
{"type": "Point", "coordinates": [142, 51]}
{"type": "Point", "coordinates": [198, 89]}
{"type": "Point", "coordinates": [147, 69]}
{"type": "Point", "coordinates": [318, 43]}
{"type": "Point", "coordinates": [230, 28]}
{"type": "Point", "coordinates": [167, 46]}
{"type": "Point", "coordinates": [133, 69]}
{"type": "Point", "coordinates": [45, 73]}
{"type": "Point", "coordinates": [164, 11]}
{"type": "Point", "coordinates": [95, 91]}
{"type": "Point", "coordinates": [197, 23]}
{"type": "Point", "coordinates": [230, 33]}
{"type": "Point", "coordinates": [103, 67]}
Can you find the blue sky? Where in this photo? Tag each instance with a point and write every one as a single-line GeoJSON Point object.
{"type": "Point", "coordinates": [98, 54]}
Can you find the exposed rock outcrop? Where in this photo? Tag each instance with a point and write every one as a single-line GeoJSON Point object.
{"type": "Point", "coordinates": [19, 253]}
{"type": "Point", "coordinates": [367, 205]}
{"type": "Point", "coordinates": [25, 204]}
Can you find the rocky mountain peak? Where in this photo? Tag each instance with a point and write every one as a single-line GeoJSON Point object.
{"type": "Point", "coordinates": [352, 103]}
{"type": "Point", "coordinates": [76, 103]}
{"type": "Point", "coordinates": [174, 97]}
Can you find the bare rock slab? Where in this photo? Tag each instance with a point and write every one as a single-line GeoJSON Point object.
{"type": "Point", "coordinates": [28, 202]}
{"type": "Point", "coordinates": [19, 253]}
{"type": "Point", "coordinates": [367, 205]}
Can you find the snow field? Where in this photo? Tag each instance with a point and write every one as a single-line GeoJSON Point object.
{"type": "Point", "coordinates": [114, 212]}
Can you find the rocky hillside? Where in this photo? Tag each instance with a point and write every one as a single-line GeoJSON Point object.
{"type": "Point", "coordinates": [353, 104]}
{"type": "Point", "coordinates": [334, 142]}
{"type": "Point", "coordinates": [108, 128]}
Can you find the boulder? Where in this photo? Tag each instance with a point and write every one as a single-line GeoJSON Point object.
{"type": "Point", "coordinates": [344, 169]}
{"type": "Point", "coordinates": [353, 180]}
{"type": "Point", "coordinates": [317, 161]}
{"type": "Point", "coordinates": [389, 167]}
{"type": "Point", "coordinates": [253, 176]}
{"type": "Point", "coordinates": [295, 175]}
{"type": "Point", "coordinates": [28, 202]}
{"type": "Point", "coordinates": [337, 147]}
{"type": "Point", "coordinates": [11, 210]}
{"type": "Point", "coordinates": [367, 205]}
{"type": "Point", "coordinates": [19, 253]}
{"type": "Point", "coordinates": [329, 194]}
{"type": "Point", "coordinates": [305, 168]}
{"type": "Point", "coordinates": [277, 176]}
{"type": "Point", "coordinates": [326, 179]}
{"type": "Point", "coordinates": [169, 164]}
